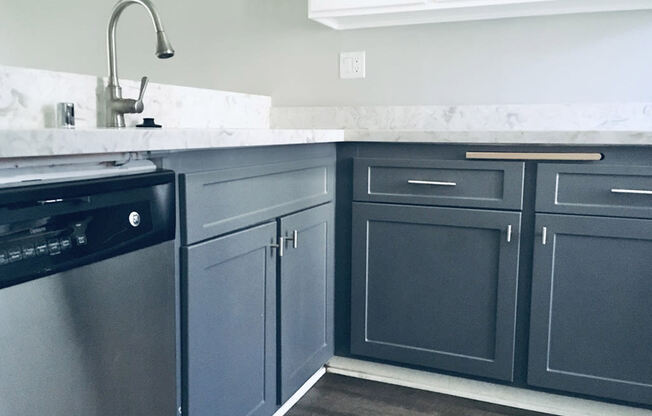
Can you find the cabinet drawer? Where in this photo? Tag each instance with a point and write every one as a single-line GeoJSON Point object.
{"type": "Point", "coordinates": [617, 191]}
{"type": "Point", "coordinates": [440, 182]}
{"type": "Point", "coordinates": [216, 202]}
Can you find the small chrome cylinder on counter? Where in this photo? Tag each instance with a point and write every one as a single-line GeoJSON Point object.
{"type": "Point", "coordinates": [66, 115]}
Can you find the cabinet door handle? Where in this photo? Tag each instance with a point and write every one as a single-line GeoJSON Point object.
{"type": "Point", "coordinates": [631, 191]}
{"type": "Point", "coordinates": [509, 233]}
{"type": "Point", "coordinates": [435, 183]}
{"type": "Point", "coordinates": [279, 246]}
{"type": "Point", "coordinates": [294, 239]}
{"type": "Point", "coordinates": [544, 236]}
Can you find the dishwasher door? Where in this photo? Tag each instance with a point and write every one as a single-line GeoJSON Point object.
{"type": "Point", "coordinates": [97, 340]}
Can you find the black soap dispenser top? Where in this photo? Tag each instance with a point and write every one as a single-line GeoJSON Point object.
{"type": "Point", "coordinates": [149, 123]}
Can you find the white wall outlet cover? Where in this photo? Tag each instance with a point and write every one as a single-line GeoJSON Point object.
{"type": "Point", "coordinates": [352, 65]}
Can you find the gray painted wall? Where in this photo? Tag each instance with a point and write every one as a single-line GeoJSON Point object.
{"type": "Point", "coordinates": [270, 47]}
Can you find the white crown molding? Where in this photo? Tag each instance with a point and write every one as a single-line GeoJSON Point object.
{"type": "Point", "coordinates": [358, 14]}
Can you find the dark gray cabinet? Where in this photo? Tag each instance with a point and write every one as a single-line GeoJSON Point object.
{"type": "Point", "coordinates": [238, 304]}
{"type": "Point", "coordinates": [229, 331]}
{"type": "Point", "coordinates": [305, 296]}
{"type": "Point", "coordinates": [255, 324]}
{"type": "Point", "coordinates": [435, 287]}
{"type": "Point", "coordinates": [221, 201]}
{"type": "Point", "coordinates": [455, 183]}
{"type": "Point", "coordinates": [591, 317]}
{"type": "Point", "coordinates": [609, 190]}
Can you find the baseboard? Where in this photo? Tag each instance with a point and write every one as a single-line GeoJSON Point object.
{"type": "Point", "coordinates": [300, 393]}
{"type": "Point", "coordinates": [478, 390]}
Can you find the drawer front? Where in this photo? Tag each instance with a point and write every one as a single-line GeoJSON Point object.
{"type": "Point", "coordinates": [617, 191]}
{"type": "Point", "coordinates": [217, 202]}
{"type": "Point", "coordinates": [440, 182]}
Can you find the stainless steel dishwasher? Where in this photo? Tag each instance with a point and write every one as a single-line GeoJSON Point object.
{"type": "Point", "coordinates": [87, 298]}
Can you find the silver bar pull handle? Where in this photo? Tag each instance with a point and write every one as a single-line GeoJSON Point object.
{"type": "Point", "coordinates": [631, 191]}
{"type": "Point", "coordinates": [279, 246]}
{"type": "Point", "coordinates": [435, 183]}
{"type": "Point", "coordinates": [294, 239]}
{"type": "Point", "coordinates": [544, 236]}
{"type": "Point", "coordinates": [509, 233]}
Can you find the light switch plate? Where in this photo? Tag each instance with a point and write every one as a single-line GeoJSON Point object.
{"type": "Point", "coordinates": [352, 65]}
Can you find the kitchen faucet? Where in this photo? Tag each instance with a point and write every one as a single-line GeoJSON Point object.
{"type": "Point", "coordinates": [116, 106]}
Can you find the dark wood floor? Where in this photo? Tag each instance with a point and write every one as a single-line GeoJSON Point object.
{"type": "Point", "coordinates": [336, 395]}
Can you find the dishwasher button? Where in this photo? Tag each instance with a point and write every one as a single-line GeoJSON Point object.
{"type": "Point", "coordinates": [15, 254]}
{"type": "Point", "coordinates": [134, 219]}
{"type": "Point", "coordinates": [54, 247]}
{"type": "Point", "coordinates": [4, 259]}
{"type": "Point", "coordinates": [28, 251]}
{"type": "Point", "coordinates": [65, 243]}
{"type": "Point", "coordinates": [41, 248]}
{"type": "Point", "coordinates": [80, 240]}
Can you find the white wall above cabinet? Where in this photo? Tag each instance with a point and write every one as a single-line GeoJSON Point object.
{"type": "Point", "coordinates": [356, 14]}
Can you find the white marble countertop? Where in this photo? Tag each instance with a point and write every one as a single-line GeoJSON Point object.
{"type": "Point", "coordinates": [60, 142]}
{"type": "Point", "coordinates": [541, 137]}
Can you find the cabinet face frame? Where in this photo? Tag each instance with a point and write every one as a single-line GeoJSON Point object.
{"type": "Point", "coordinates": [540, 372]}
{"type": "Point", "coordinates": [502, 366]}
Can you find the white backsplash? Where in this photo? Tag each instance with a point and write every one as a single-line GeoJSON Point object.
{"type": "Point", "coordinates": [28, 98]}
{"type": "Point", "coordinates": [544, 117]}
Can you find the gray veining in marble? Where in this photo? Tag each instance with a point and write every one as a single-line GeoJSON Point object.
{"type": "Point", "coordinates": [60, 142]}
{"type": "Point", "coordinates": [207, 119]}
{"type": "Point", "coordinates": [28, 98]}
{"type": "Point", "coordinates": [540, 117]}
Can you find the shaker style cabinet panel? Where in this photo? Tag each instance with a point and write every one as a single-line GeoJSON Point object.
{"type": "Point", "coordinates": [435, 287]}
{"type": "Point", "coordinates": [474, 184]}
{"type": "Point", "coordinates": [591, 314]}
{"type": "Point", "coordinates": [617, 191]}
{"type": "Point", "coordinates": [221, 201]}
{"type": "Point", "coordinates": [229, 336]}
{"type": "Point", "coordinates": [306, 296]}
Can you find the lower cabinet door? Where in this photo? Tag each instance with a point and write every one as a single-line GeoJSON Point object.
{"type": "Point", "coordinates": [435, 287]}
{"type": "Point", "coordinates": [229, 326]}
{"type": "Point", "coordinates": [306, 296]}
{"type": "Point", "coordinates": [591, 318]}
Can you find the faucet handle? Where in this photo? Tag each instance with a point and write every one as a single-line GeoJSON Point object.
{"type": "Point", "coordinates": [139, 102]}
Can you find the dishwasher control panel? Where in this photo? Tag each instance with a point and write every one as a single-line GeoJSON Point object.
{"type": "Point", "coordinates": [49, 229]}
{"type": "Point", "coordinates": [39, 241]}
{"type": "Point", "coordinates": [45, 242]}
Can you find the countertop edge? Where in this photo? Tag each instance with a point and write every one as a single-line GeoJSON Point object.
{"type": "Point", "coordinates": [61, 142]}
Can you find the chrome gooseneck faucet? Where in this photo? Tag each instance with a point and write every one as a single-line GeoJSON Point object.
{"type": "Point", "coordinates": [116, 106]}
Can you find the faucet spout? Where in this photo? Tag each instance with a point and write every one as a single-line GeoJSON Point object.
{"type": "Point", "coordinates": [116, 105]}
